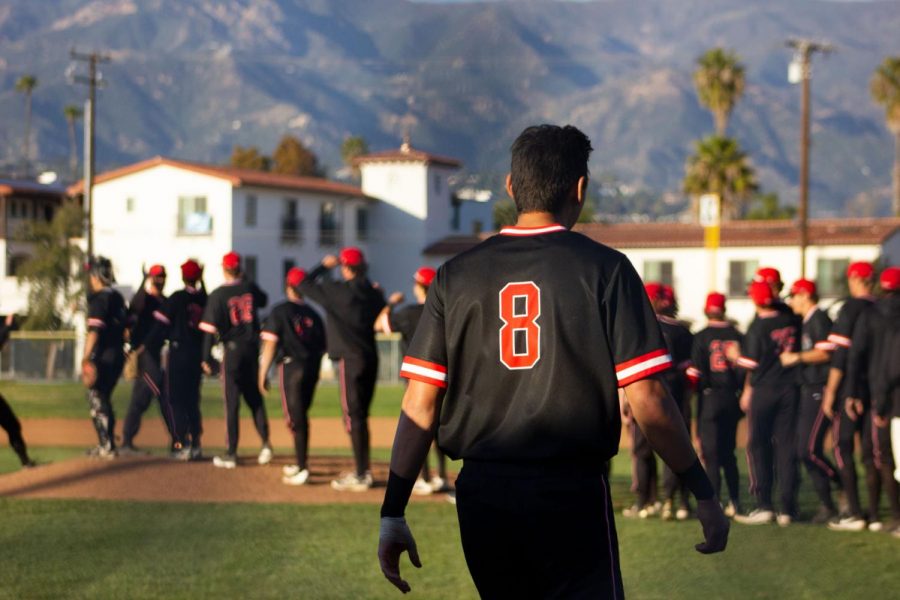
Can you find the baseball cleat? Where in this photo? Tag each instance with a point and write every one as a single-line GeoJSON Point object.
{"type": "Point", "coordinates": [783, 520]}
{"type": "Point", "coordinates": [102, 453]}
{"type": "Point", "coordinates": [422, 488]}
{"type": "Point", "coordinates": [823, 515]}
{"type": "Point", "coordinates": [130, 450]}
{"type": "Point", "coordinates": [290, 470]}
{"type": "Point", "coordinates": [182, 454]}
{"type": "Point", "coordinates": [298, 478]}
{"type": "Point", "coordinates": [667, 511]}
{"type": "Point", "coordinates": [351, 482]}
{"type": "Point", "coordinates": [730, 510]}
{"type": "Point", "coordinates": [876, 526]}
{"type": "Point", "coordinates": [682, 514]}
{"type": "Point", "coordinates": [196, 453]}
{"type": "Point", "coordinates": [451, 497]}
{"type": "Point", "coordinates": [265, 455]}
{"type": "Point", "coordinates": [226, 461]}
{"type": "Point", "coordinates": [756, 517]}
{"type": "Point", "coordinates": [848, 524]}
{"type": "Point", "coordinates": [439, 484]}
{"type": "Point", "coordinates": [633, 511]}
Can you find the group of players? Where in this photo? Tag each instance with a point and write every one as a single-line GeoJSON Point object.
{"type": "Point", "coordinates": [190, 323]}
{"type": "Point", "coordinates": [796, 376]}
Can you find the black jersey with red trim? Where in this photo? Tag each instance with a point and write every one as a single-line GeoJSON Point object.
{"type": "Point", "coordinates": [771, 333]}
{"type": "Point", "coordinates": [842, 332]}
{"type": "Point", "coordinates": [232, 312]}
{"type": "Point", "coordinates": [404, 321]}
{"type": "Point", "coordinates": [297, 329]}
{"type": "Point", "coordinates": [108, 317]}
{"type": "Point", "coordinates": [872, 368]}
{"type": "Point", "coordinates": [814, 335]}
{"type": "Point", "coordinates": [351, 308]}
{"type": "Point", "coordinates": [679, 341]}
{"type": "Point", "coordinates": [179, 317]}
{"type": "Point", "coordinates": [532, 332]}
{"type": "Point", "coordinates": [141, 320]}
{"type": "Point", "coordinates": [710, 365]}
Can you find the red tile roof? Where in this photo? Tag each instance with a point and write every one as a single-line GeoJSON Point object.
{"type": "Point", "coordinates": [407, 153]}
{"type": "Point", "coordinates": [237, 177]}
{"type": "Point", "coordinates": [10, 187]}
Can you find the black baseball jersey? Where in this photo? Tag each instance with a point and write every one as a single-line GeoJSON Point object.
{"type": "Point", "coordinates": [297, 329]}
{"type": "Point", "coordinates": [710, 365]}
{"type": "Point", "coordinates": [872, 367]}
{"type": "Point", "coordinates": [351, 308]}
{"type": "Point", "coordinates": [108, 317]}
{"type": "Point", "coordinates": [141, 320]}
{"type": "Point", "coordinates": [232, 312]}
{"type": "Point", "coordinates": [771, 333]}
{"type": "Point", "coordinates": [814, 335]}
{"type": "Point", "coordinates": [679, 342]}
{"type": "Point", "coordinates": [532, 332]}
{"type": "Point", "coordinates": [404, 321]}
{"type": "Point", "coordinates": [179, 317]}
{"type": "Point", "coordinates": [842, 334]}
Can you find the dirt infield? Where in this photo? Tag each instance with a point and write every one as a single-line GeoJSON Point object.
{"type": "Point", "coordinates": [153, 478]}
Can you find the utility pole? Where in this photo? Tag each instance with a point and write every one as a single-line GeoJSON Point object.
{"type": "Point", "coordinates": [800, 71]}
{"type": "Point", "coordinates": [93, 80]}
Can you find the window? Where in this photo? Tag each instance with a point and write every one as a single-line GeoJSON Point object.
{"type": "Point", "coordinates": [438, 183]}
{"type": "Point", "coordinates": [286, 265]}
{"type": "Point", "coordinates": [250, 267]}
{"type": "Point", "coordinates": [14, 263]}
{"type": "Point", "coordinates": [192, 216]}
{"type": "Point", "coordinates": [659, 271]}
{"type": "Point", "coordinates": [129, 205]}
{"type": "Point", "coordinates": [740, 272]}
{"type": "Point", "coordinates": [362, 223]}
{"type": "Point", "coordinates": [13, 209]}
{"type": "Point", "coordinates": [250, 211]}
{"type": "Point", "coordinates": [329, 232]}
{"type": "Point", "coordinates": [291, 225]}
{"type": "Point", "coordinates": [831, 276]}
{"type": "Point", "coordinates": [48, 212]}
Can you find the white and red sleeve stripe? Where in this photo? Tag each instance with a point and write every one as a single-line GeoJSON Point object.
{"type": "Point", "coordinates": [642, 367]}
{"type": "Point", "coordinates": [161, 317]}
{"type": "Point", "coordinates": [424, 371]}
{"type": "Point", "coordinates": [747, 363]}
{"type": "Point", "coordinates": [208, 327]}
{"type": "Point", "coordinates": [268, 336]}
{"type": "Point", "coordinates": [97, 323]}
{"type": "Point", "coordinates": [825, 345]}
{"type": "Point", "coordinates": [839, 340]}
{"type": "Point", "coordinates": [693, 373]}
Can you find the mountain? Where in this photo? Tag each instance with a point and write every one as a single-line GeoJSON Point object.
{"type": "Point", "coordinates": [191, 79]}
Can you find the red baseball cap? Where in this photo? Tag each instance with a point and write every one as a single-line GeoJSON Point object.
{"type": "Point", "coordinates": [768, 275]}
{"type": "Point", "coordinates": [761, 293]}
{"type": "Point", "coordinates": [667, 293]}
{"type": "Point", "coordinates": [157, 271]}
{"type": "Point", "coordinates": [804, 286]}
{"type": "Point", "coordinates": [861, 269]}
{"type": "Point", "coordinates": [295, 277]}
{"type": "Point", "coordinates": [424, 276]}
{"type": "Point", "coordinates": [352, 257]}
{"type": "Point", "coordinates": [890, 279]}
{"type": "Point", "coordinates": [191, 270]}
{"type": "Point", "coordinates": [715, 303]}
{"type": "Point", "coordinates": [231, 261]}
{"type": "Point", "coordinates": [654, 290]}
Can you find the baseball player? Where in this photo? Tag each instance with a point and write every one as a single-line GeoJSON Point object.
{"type": "Point", "coordinates": [873, 350]}
{"type": "Point", "coordinates": [103, 357]}
{"type": "Point", "coordinates": [522, 345]}
{"type": "Point", "coordinates": [297, 331]}
{"type": "Point", "coordinates": [178, 321]}
{"type": "Point", "coordinates": [812, 424]}
{"type": "Point", "coordinates": [405, 320]}
{"type": "Point", "coordinates": [351, 306]}
{"type": "Point", "coordinates": [848, 417]}
{"type": "Point", "coordinates": [150, 377]}
{"type": "Point", "coordinates": [231, 317]}
{"type": "Point", "coordinates": [8, 420]}
{"type": "Point", "coordinates": [718, 383]}
{"type": "Point", "coordinates": [770, 401]}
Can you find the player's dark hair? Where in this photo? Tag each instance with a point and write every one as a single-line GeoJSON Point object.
{"type": "Point", "coordinates": [547, 160]}
{"type": "Point", "coordinates": [101, 268]}
{"type": "Point", "coordinates": [232, 272]}
{"type": "Point", "coordinates": [358, 270]}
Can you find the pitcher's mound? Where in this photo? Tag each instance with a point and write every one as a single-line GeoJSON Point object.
{"type": "Point", "coordinates": [154, 478]}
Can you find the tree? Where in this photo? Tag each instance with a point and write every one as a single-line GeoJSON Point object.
{"type": "Point", "coordinates": [291, 157]}
{"type": "Point", "coordinates": [72, 113]}
{"type": "Point", "coordinates": [885, 89]}
{"type": "Point", "coordinates": [719, 80]}
{"type": "Point", "coordinates": [249, 158]}
{"type": "Point", "coordinates": [765, 207]}
{"type": "Point", "coordinates": [53, 283]}
{"type": "Point", "coordinates": [25, 85]}
{"type": "Point", "coordinates": [719, 166]}
{"type": "Point", "coordinates": [353, 147]}
{"type": "Point", "coordinates": [505, 213]}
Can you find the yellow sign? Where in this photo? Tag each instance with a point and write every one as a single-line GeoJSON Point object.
{"type": "Point", "coordinates": [711, 237]}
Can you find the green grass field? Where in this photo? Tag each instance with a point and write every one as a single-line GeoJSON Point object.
{"type": "Point", "coordinates": [67, 400]}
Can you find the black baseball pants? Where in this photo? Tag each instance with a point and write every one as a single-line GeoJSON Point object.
{"type": "Point", "coordinates": [717, 423]}
{"type": "Point", "coordinates": [538, 531]}
{"type": "Point", "coordinates": [879, 463]}
{"type": "Point", "coordinates": [643, 468]}
{"type": "Point", "coordinates": [148, 385]}
{"type": "Point", "coordinates": [183, 379]}
{"type": "Point", "coordinates": [240, 368]}
{"type": "Point", "coordinates": [13, 428]}
{"type": "Point", "coordinates": [298, 381]}
{"type": "Point", "coordinates": [357, 376]}
{"type": "Point", "coordinates": [109, 368]}
{"type": "Point", "coordinates": [771, 446]}
{"type": "Point", "coordinates": [672, 483]}
{"type": "Point", "coordinates": [844, 430]}
{"type": "Point", "coordinates": [812, 426]}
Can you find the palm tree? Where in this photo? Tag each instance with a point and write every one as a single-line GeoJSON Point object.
{"type": "Point", "coordinates": [719, 80]}
{"type": "Point", "coordinates": [719, 166]}
{"type": "Point", "coordinates": [25, 85]}
{"type": "Point", "coordinates": [885, 89]}
{"type": "Point", "coordinates": [73, 113]}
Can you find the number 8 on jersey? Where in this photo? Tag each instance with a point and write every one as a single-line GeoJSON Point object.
{"type": "Point", "coordinates": [520, 336]}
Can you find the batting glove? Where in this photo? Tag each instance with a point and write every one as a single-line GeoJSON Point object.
{"type": "Point", "coordinates": [395, 538]}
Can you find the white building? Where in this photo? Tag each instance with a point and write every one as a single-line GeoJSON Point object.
{"type": "Point", "coordinates": [674, 253]}
{"type": "Point", "coordinates": [165, 211]}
